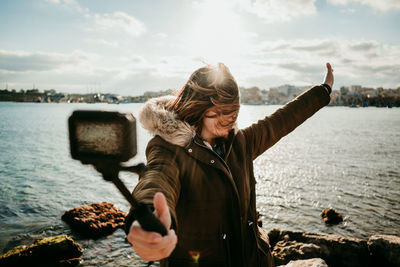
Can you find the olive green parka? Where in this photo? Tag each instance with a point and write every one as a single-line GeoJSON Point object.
{"type": "Point", "coordinates": [212, 200]}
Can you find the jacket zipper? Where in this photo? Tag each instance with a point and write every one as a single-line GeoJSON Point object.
{"type": "Point", "coordinates": [225, 242]}
{"type": "Point", "coordinates": [235, 189]}
{"type": "Point", "coordinates": [222, 160]}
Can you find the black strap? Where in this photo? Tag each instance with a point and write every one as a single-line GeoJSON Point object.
{"type": "Point", "coordinates": [328, 88]}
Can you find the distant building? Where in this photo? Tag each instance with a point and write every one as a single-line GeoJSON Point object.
{"type": "Point", "coordinates": [355, 89]}
{"type": "Point", "coordinates": [344, 90]}
{"type": "Point", "coordinates": [250, 95]}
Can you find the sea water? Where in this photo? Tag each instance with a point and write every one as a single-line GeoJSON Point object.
{"type": "Point", "coordinates": [342, 158]}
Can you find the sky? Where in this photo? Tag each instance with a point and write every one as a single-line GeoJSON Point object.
{"type": "Point", "coordinates": [130, 47]}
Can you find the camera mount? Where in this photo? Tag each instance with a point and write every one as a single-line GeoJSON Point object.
{"type": "Point", "coordinates": [104, 140]}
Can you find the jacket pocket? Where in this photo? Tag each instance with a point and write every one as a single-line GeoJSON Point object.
{"type": "Point", "coordinates": [264, 256]}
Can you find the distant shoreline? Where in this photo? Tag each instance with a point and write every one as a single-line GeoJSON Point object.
{"type": "Point", "coordinates": [247, 104]}
{"type": "Point", "coordinates": [354, 97]}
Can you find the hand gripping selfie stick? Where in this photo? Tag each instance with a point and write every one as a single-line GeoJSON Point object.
{"type": "Point", "coordinates": [104, 139]}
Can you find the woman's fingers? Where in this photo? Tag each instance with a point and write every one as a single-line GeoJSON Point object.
{"type": "Point", "coordinates": [151, 246]}
{"type": "Point", "coordinates": [329, 67]}
{"type": "Point", "coordinates": [161, 209]}
{"type": "Point", "coordinates": [137, 233]}
{"type": "Point", "coordinates": [329, 75]}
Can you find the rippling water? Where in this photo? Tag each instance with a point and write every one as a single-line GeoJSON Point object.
{"type": "Point", "coordinates": [345, 158]}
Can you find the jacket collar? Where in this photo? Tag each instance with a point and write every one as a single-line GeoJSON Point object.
{"type": "Point", "coordinates": [157, 120]}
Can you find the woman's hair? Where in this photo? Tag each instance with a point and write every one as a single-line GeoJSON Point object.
{"type": "Point", "coordinates": [207, 87]}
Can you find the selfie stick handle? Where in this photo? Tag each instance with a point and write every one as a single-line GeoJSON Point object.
{"type": "Point", "coordinates": [125, 192]}
{"type": "Point", "coordinates": [141, 211]}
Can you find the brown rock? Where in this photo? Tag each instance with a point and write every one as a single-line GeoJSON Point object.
{"type": "Point", "coordinates": [335, 250]}
{"type": "Point", "coordinates": [385, 250]}
{"type": "Point", "coordinates": [331, 216]}
{"type": "Point", "coordinates": [285, 251]}
{"type": "Point", "coordinates": [58, 250]}
{"type": "Point", "coordinates": [315, 262]}
{"type": "Point", "coordinates": [259, 220]}
{"type": "Point", "coordinates": [95, 219]}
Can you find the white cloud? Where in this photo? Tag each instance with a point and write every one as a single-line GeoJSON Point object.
{"type": "Point", "coordinates": [381, 5]}
{"type": "Point", "coordinates": [162, 35]}
{"type": "Point", "coordinates": [301, 62]}
{"type": "Point", "coordinates": [364, 45]}
{"type": "Point", "coordinates": [103, 42]}
{"type": "Point", "coordinates": [348, 11]}
{"type": "Point", "coordinates": [298, 61]}
{"type": "Point", "coordinates": [118, 21]}
{"type": "Point", "coordinates": [268, 10]}
{"type": "Point", "coordinates": [275, 10]}
{"type": "Point", "coordinates": [21, 61]}
{"type": "Point", "coordinates": [69, 4]}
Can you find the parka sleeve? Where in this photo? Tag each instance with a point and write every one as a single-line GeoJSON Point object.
{"type": "Point", "coordinates": [161, 175]}
{"type": "Point", "coordinates": [265, 133]}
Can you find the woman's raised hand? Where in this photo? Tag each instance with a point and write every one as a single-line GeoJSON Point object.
{"type": "Point", "coordinates": [329, 75]}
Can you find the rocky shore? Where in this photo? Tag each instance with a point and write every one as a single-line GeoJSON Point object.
{"type": "Point", "coordinates": [95, 220]}
{"type": "Point", "coordinates": [58, 250]}
{"type": "Point", "coordinates": [334, 250]}
{"type": "Point", "coordinates": [289, 248]}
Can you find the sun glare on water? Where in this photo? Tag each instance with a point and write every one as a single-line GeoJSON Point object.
{"type": "Point", "coordinates": [217, 33]}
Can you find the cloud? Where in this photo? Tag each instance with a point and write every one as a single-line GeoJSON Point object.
{"type": "Point", "coordinates": [268, 10]}
{"type": "Point", "coordinates": [118, 21]}
{"type": "Point", "coordinates": [78, 71]}
{"type": "Point", "coordinates": [274, 10]}
{"type": "Point", "coordinates": [364, 45]}
{"type": "Point", "coordinates": [301, 68]}
{"type": "Point", "coordinates": [21, 61]}
{"type": "Point", "coordinates": [267, 64]}
{"type": "Point", "coordinates": [304, 48]}
{"type": "Point", "coordinates": [103, 42]}
{"type": "Point", "coordinates": [301, 62]}
{"type": "Point", "coordinates": [162, 35]}
{"type": "Point", "coordinates": [348, 11]}
{"type": "Point", "coordinates": [381, 5]}
{"type": "Point", "coordinates": [299, 48]}
{"type": "Point", "coordinates": [69, 4]}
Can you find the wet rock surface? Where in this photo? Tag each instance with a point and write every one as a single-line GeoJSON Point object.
{"type": "Point", "coordinates": [335, 250]}
{"type": "Point", "coordinates": [331, 216]}
{"type": "Point", "coordinates": [315, 262]}
{"type": "Point", "coordinates": [285, 251]}
{"type": "Point", "coordinates": [96, 219]}
{"type": "Point", "coordinates": [58, 250]}
{"type": "Point", "coordinates": [385, 250]}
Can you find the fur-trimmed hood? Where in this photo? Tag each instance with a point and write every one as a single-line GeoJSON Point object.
{"type": "Point", "coordinates": [157, 120]}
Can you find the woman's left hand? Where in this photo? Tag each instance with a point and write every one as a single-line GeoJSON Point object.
{"type": "Point", "coordinates": [329, 75]}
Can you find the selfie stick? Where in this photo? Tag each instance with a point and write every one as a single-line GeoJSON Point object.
{"type": "Point", "coordinates": [93, 138]}
{"type": "Point", "coordinates": [141, 211]}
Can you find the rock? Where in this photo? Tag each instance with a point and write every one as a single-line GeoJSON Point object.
{"type": "Point", "coordinates": [385, 250]}
{"type": "Point", "coordinates": [335, 250]}
{"type": "Point", "coordinates": [315, 262]}
{"type": "Point", "coordinates": [95, 219]}
{"type": "Point", "coordinates": [331, 216]}
{"type": "Point", "coordinates": [58, 250]}
{"type": "Point", "coordinates": [273, 236]}
{"type": "Point", "coordinates": [285, 251]}
{"type": "Point", "coordinates": [259, 220]}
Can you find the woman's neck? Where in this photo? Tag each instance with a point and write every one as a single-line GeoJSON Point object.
{"type": "Point", "coordinates": [208, 137]}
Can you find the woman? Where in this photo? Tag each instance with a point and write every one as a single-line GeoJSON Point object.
{"type": "Point", "coordinates": [199, 176]}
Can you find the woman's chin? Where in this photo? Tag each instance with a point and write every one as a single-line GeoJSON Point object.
{"type": "Point", "coordinates": [223, 133]}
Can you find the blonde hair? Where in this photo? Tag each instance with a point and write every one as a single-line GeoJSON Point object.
{"type": "Point", "coordinates": [207, 87]}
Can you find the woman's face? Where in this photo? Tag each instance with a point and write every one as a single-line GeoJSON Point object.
{"type": "Point", "coordinates": [217, 123]}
